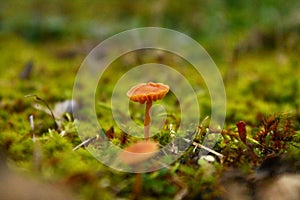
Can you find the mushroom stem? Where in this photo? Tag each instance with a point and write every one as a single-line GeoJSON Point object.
{"type": "Point", "coordinates": [137, 186]}
{"type": "Point", "coordinates": [147, 121]}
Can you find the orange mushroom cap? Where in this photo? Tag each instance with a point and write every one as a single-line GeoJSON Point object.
{"type": "Point", "coordinates": [148, 92]}
{"type": "Point", "coordinates": [138, 152]}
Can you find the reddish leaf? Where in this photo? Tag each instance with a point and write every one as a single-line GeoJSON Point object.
{"type": "Point", "coordinates": [241, 125]}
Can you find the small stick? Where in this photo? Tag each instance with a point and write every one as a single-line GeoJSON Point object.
{"type": "Point", "coordinates": [208, 149]}
{"type": "Point", "coordinates": [85, 142]}
{"type": "Point", "coordinates": [205, 148]}
{"type": "Point", "coordinates": [31, 121]}
{"type": "Point", "coordinates": [36, 148]}
{"type": "Point", "coordinates": [183, 191]}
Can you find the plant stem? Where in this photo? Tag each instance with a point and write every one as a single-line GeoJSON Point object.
{"type": "Point", "coordinates": [147, 121]}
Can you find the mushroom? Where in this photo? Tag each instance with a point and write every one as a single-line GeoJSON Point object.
{"type": "Point", "coordinates": [138, 152]}
{"type": "Point", "coordinates": [147, 92]}
{"type": "Point", "coordinates": [134, 155]}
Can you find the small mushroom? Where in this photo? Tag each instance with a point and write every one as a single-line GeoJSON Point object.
{"type": "Point", "coordinates": [147, 92]}
{"type": "Point", "coordinates": [134, 155]}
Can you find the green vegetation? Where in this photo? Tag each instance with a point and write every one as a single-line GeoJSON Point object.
{"type": "Point", "coordinates": [255, 46]}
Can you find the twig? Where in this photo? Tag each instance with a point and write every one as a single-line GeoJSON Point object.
{"type": "Point", "coordinates": [209, 150]}
{"type": "Point", "coordinates": [36, 148]}
{"type": "Point", "coordinates": [183, 191]}
{"type": "Point", "coordinates": [32, 127]}
{"type": "Point", "coordinates": [85, 142]}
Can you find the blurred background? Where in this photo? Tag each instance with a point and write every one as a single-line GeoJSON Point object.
{"type": "Point", "coordinates": [254, 43]}
{"type": "Point", "coordinates": [209, 22]}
